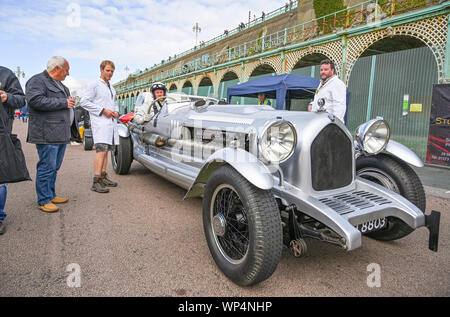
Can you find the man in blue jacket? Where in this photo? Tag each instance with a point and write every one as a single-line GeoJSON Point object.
{"type": "Point", "coordinates": [50, 116]}
{"type": "Point", "coordinates": [12, 98]}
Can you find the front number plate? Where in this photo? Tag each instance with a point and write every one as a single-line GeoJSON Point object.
{"type": "Point", "coordinates": [373, 225]}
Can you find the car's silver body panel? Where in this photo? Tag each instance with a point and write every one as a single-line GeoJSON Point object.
{"type": "Point", "coordinates": [404, 153]}
{"type": "Point", "coordinates": [242, 161]}
{"type": "Point", "coordinates": [342, 214]}
{"type": "Point", "coordinates": [186, 163]}
{"type": "Point", "coordinates": [123, 131]}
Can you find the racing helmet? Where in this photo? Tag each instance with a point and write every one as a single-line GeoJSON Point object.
{"type": "Point", "coordinates": [156, 86]}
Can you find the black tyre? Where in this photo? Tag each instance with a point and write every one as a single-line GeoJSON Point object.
{"type": "Point", "coordinates": [242, 227]}
{"type": "Point", "coordinates": [88, 142]}
{"type": "Point", "coordinates": [122, 156]}
{"type": "Point", "coordinates": [399, 177]}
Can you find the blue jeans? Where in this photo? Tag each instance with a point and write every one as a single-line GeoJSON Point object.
{"type": "Point", "coordinates": [50, 160]}
{"type": "Point", "coordinates": [3, 192]}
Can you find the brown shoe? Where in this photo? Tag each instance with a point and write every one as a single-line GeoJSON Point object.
{"type": "Point", "coordinates": [98, 186]}
{"type": "Point", "coordinates": [107, 182]}
{"type": "Point", "coordinates": [49, 208]}
{"type": "Point", "coordinates": [59, 200]}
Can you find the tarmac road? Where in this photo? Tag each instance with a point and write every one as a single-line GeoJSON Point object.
{"type": "Point", "coordinates": [142, 239]}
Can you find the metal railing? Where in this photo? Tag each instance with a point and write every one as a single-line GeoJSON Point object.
{"type": "Point", "coordinates": [223, 36]}
{"type": "Point", "coordinates": [357, 15]}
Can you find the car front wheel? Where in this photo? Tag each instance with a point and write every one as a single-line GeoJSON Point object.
{"type": "Point", "coordinates": [399, 177]}
{"type": "Point", "coordinates": [242, 227]}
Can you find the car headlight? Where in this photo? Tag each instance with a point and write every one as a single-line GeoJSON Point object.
{"type": "Point", "coordinates": [373, 136]}
{"type": "Point", "coordinates": [278, 141]}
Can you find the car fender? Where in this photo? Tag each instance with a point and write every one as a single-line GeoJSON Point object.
{"type": "Point", "coordinates": [123, 130]}
{"type": "Point", "coordinates": [242, 161]}
{"type": "Point", "coordinates": [404, 153]}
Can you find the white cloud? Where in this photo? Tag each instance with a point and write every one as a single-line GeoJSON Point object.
{"type": "Point", "coordinates": [75, 85]}
{"type": "Point", "coordinates": [136, 34]}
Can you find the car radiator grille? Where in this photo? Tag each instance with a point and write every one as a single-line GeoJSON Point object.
{"type": "Point", "coordinates": [357, 200]}
{"type": "Point", "coordinates": [331, 159]}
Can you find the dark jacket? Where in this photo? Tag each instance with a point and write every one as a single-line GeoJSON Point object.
{"type": "Point", "coordinates": [49, 116]}
{"type": "Point", "coordinates": [16, 97]}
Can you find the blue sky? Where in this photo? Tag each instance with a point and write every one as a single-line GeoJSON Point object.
{"type": "Point", "coordinates": [136, 34]}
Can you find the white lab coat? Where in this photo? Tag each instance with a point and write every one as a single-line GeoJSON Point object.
{"type": "Point", "coordinates": [335, 94]}
{"type": "Point", "coordinates": [141, 113]}
{"type": "Point", "coordinates": [97, 97]}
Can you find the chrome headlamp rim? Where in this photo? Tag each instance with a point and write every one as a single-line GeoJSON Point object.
{"type": "Point", "coordinates": [363, 129]}
{"type": "Point", "coordinates": [266, 128]}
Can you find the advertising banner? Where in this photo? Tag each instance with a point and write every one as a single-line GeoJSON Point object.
{"type": "Point", "coordinates": [438, 150]}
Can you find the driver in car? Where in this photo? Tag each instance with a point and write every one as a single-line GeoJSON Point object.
{"type": "Point", "coordinates": [143, 113]}
{"type": "Point", "coordinates": [332, 90]}
{"type": "Point", "coordinates": [159, 90]}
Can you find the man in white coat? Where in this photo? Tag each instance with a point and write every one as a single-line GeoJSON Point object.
{"type": "Point", "coordinates": [332, 90]}
{"type": "Point", "coordinates": [99, 99]}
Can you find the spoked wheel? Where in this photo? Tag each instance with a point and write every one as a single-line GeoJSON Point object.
{"type": "Point", "coordinates": [242, 227]}
{"type": "Point", "coordinates": [230, 224]}
{"type": "Point", "coordinates": [399, 177]}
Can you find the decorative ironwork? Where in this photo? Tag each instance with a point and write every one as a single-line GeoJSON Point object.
{"type": "Point", "coordinates": [274, 61]}
{"type": "Point", "coordinates": [432, 31]}
{"type": "Point", "coordinates": [332, 50]}
{"type": "Point", "coordinates": [222, 72]}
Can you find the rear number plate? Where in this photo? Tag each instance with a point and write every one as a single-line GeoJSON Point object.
{"type": "Point", "coordinates": [373, 225]}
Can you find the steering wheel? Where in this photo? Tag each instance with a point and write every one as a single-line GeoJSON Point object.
{"type": "Point", "coordinates": [157, 99]}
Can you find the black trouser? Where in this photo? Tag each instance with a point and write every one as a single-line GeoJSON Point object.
{"type": "Point", "coordinates": [74, 133]}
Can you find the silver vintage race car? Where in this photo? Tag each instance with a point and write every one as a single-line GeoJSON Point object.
{"type": "Point", "coordinates": [270, 178]}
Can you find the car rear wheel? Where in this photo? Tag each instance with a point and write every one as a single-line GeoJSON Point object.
{"type": "Point", "coordinates": [242, 227]}
{"type": "Point", "coordinates": [122, 156]}
{"type": "Point", "coordinates": [399, 177]}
